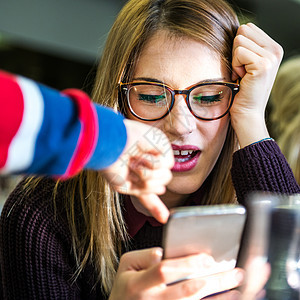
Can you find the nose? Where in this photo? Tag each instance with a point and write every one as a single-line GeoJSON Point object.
{"type": "Point", "coordinates": [180, 121]}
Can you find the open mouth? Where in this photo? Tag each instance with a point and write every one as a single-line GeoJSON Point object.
{"type": "Point", "coordinates": [184, 155]}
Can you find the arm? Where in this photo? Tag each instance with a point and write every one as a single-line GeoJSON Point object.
{"type": "Point", "coordinates": [262, 167]}
{"type": "Point", "coordinates": [256, 58]}
{"type": "Point", "coordinates": [46, 132]}
{"type": "Point", "coordinates": [257, 166]}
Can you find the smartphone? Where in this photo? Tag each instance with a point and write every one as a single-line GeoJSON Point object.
{"type": "Point", "coordinates": [213, 229]}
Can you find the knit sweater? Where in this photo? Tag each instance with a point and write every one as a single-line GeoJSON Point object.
{"type": "Point", "coordinates": [36, 255]}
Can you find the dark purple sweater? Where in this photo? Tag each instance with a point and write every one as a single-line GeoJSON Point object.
{"type": "Point", "coordinates": [35, 244]}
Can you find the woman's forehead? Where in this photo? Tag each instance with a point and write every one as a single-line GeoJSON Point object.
{"type": "Point", "coordinates": [178, 59]}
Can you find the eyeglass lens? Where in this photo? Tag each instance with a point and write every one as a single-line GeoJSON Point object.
{"type": "Point", "coordinates": [153, 101]}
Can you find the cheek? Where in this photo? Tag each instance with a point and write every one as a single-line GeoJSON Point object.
{"type": "Point", "coordinates": [214, 134]}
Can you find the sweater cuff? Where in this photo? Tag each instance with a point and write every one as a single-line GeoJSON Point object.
{"type": "Point", "coordinates": [258, 150]}
{"type": "Point", "coordinates": [112, 138]}
{"type": "Point", "coordinates": [88, 136]}
{"type": "Point", "coordinates": [262, 167]}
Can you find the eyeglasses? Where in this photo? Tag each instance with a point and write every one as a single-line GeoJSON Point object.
{"type": "Point", "coordinates": [151, 101]}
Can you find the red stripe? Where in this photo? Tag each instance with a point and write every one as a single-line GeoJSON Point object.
{"type": "Point", "coordinates": [89, 131]}
{"type": "Point", "coordinates": [11, 112]}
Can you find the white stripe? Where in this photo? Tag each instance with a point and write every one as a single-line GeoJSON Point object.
{"type": "Point", "coordinates": [22, 147]}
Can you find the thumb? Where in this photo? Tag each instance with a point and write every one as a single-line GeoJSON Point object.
{"type": "Point", "coordinates": [140, 259]}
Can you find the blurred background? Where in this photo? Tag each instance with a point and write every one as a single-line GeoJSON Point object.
{"type": "Point", "coordinates": [58, 42]}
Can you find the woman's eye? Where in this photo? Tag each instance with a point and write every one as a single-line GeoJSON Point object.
{"type": "Point", "coordinates": [207, 99]}
{"type": "Point", "coordinates": [152, 98]}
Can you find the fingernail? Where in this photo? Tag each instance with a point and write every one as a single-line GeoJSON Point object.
{"type": "Point", "coordinates": [239, 276]}
{"type": "Point", "coordinates": [164, 216]}
{"type": "Point", "coordinates": [158, 253]}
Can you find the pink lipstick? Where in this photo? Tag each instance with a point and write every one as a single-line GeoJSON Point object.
{"type": "Point", "coordinates": [186, 157]}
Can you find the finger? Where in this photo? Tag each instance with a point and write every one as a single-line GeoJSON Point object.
{"type": "Point", "coordinates": [160, 176]}
{"type": "Point", "coordinates": [221, 282]}
{"type": "Point", "coordinates": [192, 266]}
{"type": "Point", "coordinates": [140, 259]}
{"type": "Point", "coordinates": [244, 61]}
{"type": "Point", "coordinates": [234, 76]}
{"type": "Point", "coordinates": [175, 270]}
{"type": "Point", "coordinates": [136, 187]}
{"type": "Point", "coordinates": [188, 289]}
{"type": "Point", "coordinates": [238, 71]}
{"type": "Point", "coordinates": [115, 177]}
{"type": "Point", "coordinates": [152, 187]}
{"type": "Point", "coordinates": [162, 150]}
{"type": "Point", "coordinates": [258, 36]}
{"type": "Point", "coordinates": [242, 41]}
{"type": "Point", "coordinates": [257, 274]}
{"type": "Point", "coordinates": [170, 270]}
{"type": "Point", "coordinates": [254, 33]}
{"type": "Point", "coordinates": [205, 286]}
{"type": "Point", "coordinates": [155, 207]}
{"type": "Point", "coordinates": [150, 161]}
{"type": "Point", "coordinates": [231, 295]}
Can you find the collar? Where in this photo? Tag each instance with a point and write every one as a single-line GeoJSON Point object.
{"type": "Point", "coordinates": [136, 220]}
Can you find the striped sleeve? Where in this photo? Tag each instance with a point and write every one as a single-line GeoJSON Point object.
{"type": "Point", "coordinates": [21, 117]}
{"type": "Point", "coordinates": [46, 132]}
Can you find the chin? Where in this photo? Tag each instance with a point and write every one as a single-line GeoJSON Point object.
{"type": "Point", "coordinates": [184, 186]}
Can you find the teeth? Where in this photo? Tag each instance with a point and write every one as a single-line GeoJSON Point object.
{"type": "Point", "coordinates": [180, 160]}
{"type": "Point", "coordinates": [182, 152]}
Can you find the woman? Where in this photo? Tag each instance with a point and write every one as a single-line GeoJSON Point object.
{"type": "Point", "coordinates": [285, 111]}
{"type": "Point", "coordinates": [155, 50]}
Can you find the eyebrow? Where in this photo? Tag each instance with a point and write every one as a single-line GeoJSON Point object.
{"type": "Point", "coordinates": [149, 79]}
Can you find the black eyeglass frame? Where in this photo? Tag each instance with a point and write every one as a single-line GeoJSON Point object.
{"type": "Point", "coordinates": [123, 89]}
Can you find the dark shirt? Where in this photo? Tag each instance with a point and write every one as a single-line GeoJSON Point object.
{"type": "Point", "coordinates": [36, 255]}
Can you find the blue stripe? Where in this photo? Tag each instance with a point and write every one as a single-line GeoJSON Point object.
{"type": "Point", "coordinates": [112, 138]}
{"type": "Point", "coordinates": [58, 136]}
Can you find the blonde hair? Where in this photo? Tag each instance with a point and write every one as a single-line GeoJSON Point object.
{"type": "Point", "coordinates": [285, 95]}
{"type": "Point", "coordinates": [212, 22]}
{"type": "Point", "coordinates": [289, 142]}
{"type": "Point", "coordinates": [285, 112]}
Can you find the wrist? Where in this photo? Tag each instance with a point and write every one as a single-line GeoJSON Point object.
{"type": "Point", "coordinates": [249, 129]}
{"type": "Point", "coordinates": [262, 140]}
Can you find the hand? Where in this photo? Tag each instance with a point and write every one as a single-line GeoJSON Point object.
{"type": "Point", "coordinates": [143, 274]}
{"type": "Point", "coordinates": [257, 275]}
{"type": "Point", "coordinates": [143, 169]}
{"type": "Point", "coordinates": [256, 58]}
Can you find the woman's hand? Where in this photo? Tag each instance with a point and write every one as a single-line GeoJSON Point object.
{"type": "Point", "coordinates": [257, 273]}
{"type": "Point", "coordinates": [256, 58]}
{"type": "Point", "coordinates": [143, 274]}
{"type": "Point", "coordinates": [144, 168]}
